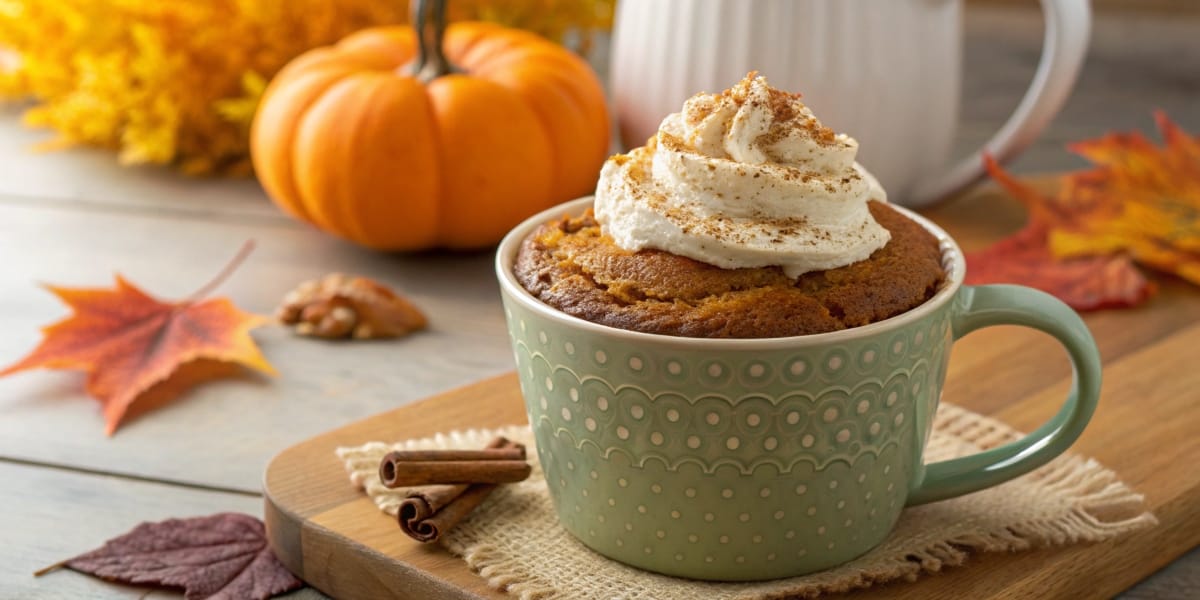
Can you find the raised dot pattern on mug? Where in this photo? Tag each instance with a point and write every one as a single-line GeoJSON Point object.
{"type": "Point", "coordinates": [720, 427]}
{"type": "Point", "coordinates": [717, 518]}
{"type": "Point", "coordinates": [697, 458]}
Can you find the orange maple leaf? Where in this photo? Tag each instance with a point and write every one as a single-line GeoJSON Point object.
{"type": "Point", "coordinates": [1083, 282]}
{"type": "Point", "coordinates": [1141, 199]}
{"type": "Point", "coordinates": [136, 347]}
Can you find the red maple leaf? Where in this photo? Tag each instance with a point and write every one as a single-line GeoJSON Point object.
{"type": "Point", "coordinates": [137, 348]}
{"type": "Point", "coordinates": [1105, 280]}
{"type": "Point", "coordinates": [219, 557]}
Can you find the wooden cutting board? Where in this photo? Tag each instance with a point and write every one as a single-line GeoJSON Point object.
{"type": "Point", "coordinates": [1147, 429]}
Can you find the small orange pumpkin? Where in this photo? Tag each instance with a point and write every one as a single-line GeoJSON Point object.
{"type": "Point", "coordinates": [448, 138]}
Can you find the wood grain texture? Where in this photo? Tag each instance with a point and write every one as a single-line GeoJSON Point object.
{"type": "Point", "coordinates": [1144, 430]}
{"type": "Point", "coordinates": [47, 417]}
{"type": "Point", "coordinates": [342, 536]}
{"type": "Point", "coordinates": [73, 217]}
{"type": "Point", "coordinates": [1033, 354]}
{"type": "Point", "coordinates": [47, 515]}
{"type": "Point", "coordinates": [1180, 579]}
{"type": "Point", "coordinates": [92, 177]}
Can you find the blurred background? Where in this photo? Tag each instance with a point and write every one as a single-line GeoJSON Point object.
{"type": "Point", "coordinates": [135, 157]}
{"type": "Point", "coordinates": [1143, 55]}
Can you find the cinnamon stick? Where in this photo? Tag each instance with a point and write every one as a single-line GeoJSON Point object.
{"type": "Point", "coordinates": [414, 473]}
{"type": "Point", "coordinates": [427, 512]}
{"type": "Point", "coordinates": [503, 463]}
{"type": "Point", "coordinates": [515, 452]}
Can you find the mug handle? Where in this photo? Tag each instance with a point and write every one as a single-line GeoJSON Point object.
{"type": "Point", "coordinates": [1068, 24]}
{"type": "Point", "coordinates": [988, 305]}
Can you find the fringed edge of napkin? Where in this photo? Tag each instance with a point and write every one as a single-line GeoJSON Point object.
{"type": "Point", "coordinates": [1104, 507]}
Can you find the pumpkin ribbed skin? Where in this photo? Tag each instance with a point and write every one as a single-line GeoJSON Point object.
{"type": "Point", "coordinates": [348, 140]}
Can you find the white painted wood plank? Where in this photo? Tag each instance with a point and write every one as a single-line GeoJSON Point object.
{"type": "Point", "coordinates": [223, 433]}
{"type": "Point", "coordinates": [48, 515]}
{"type": "Point", "coordinates": [93, 175]}
{"type": "Point", "coordinates": [1180, 579]}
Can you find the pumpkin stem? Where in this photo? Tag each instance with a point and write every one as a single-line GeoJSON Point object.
{"type": "Point", "coordinates": [429, 19]}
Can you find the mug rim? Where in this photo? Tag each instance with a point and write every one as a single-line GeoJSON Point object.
{"type": "Point", "coordinates": [952, 261]}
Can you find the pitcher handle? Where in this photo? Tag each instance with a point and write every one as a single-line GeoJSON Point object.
{"type": "Point", "coordinates": [1068, 25]}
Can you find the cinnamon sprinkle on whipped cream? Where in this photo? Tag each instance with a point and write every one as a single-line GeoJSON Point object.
{"type": "Point", "coordinates": [744, 178]}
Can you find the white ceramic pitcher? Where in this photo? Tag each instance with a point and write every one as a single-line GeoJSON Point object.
{"type": "Point", "coordinates": [887, 72]}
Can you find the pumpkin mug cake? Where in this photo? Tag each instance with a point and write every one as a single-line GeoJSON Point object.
{"type": "Point", "coordinates": [731, 356]}
{"type": "Point", "coordinates": [743, 217]}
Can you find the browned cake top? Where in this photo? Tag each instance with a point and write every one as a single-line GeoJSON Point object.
{"type": "Point", "coordinates": [570, 265]}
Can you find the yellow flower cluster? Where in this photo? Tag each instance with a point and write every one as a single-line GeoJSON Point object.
{"type": "Point", "coordinates": [177, 82]}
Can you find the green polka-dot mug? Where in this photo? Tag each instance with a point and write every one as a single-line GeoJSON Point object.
{"type": "Point", "coordinates": [763, 458]}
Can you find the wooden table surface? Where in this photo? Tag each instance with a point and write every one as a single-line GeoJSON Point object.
{"type": "Point", "coordinates": [74, 218]}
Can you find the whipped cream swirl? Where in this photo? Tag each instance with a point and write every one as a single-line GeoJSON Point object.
{"type": "Point", "coordinates": [744, 178]}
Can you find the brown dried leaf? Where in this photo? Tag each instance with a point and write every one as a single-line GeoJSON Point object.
{"type": "Point", "coordinates": [340, 306]}
{"type": "Point", "coordinates": [219, 557]}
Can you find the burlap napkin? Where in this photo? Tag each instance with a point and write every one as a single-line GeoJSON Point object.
{"type": "Point", "coordinates": [515, 542]}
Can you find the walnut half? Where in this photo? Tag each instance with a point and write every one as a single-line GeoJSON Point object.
{"type": "Point", "coordinates": [343, 306]}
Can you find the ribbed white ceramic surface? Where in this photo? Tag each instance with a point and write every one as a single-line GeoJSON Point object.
{"type": "Point", "coordinates": [887, 72]}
